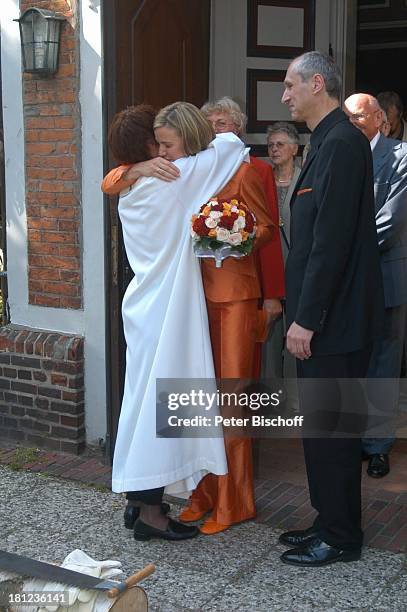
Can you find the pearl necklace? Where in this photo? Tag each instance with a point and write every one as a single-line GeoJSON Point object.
{"type": "Point", "coordinates": [288, 180]}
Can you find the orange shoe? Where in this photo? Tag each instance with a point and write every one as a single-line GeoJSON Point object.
{"type": "Point", "coordinates": [190, 516]}
{"type": "Point", "coordinates": [210, 527]}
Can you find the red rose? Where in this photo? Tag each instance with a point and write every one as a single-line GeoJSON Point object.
{"type": "Point", "coordinates": [199, 226]}
{"type": "Point", "coordinates": [228, 221]}
{"type": "Point", "coordinates": [218, 207]}
{"type": "Point", "coordinates": [249, 222]}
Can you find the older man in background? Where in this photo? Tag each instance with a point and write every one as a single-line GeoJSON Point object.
{"type": "Point", "coordinates": [390, 188]}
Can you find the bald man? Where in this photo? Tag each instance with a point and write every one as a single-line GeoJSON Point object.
{"type": "Point", "coordinates": [390, 188]}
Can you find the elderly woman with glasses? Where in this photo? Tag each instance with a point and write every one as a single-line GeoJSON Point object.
{"type": "Point", "coordinates": [282, 144]}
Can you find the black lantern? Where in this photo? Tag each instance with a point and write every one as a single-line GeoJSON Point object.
{"type": "Point", "coordinates": [40, 35]}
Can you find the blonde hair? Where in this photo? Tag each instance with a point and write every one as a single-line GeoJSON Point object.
{"type": "Point", "coordinates": [229, 106]}
{"type": "Point", "coordinates": [190, 124]}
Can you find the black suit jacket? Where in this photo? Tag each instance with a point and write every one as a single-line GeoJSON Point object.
{"type": "Point", "coordinates": [333, 276]}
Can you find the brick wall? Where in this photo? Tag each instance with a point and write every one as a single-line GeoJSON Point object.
{"type": "Point", "coordinates": [53, 184]}
{"type": "Point", "coordinates": [42, 389]}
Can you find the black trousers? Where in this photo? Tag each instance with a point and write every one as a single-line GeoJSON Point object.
{"type": "Point", "coordinates": [333, 464]}
{"type": "Point", "coordinates": [150, 497]}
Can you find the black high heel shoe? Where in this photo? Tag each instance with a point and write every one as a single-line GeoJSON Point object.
{"type": "Point", "coordinates": [132, 513]}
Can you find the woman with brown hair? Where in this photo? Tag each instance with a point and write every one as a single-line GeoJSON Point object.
{"type": "Point", "coordinates": [164, 314]}
{"type": "Point", "coordinates": [236, 322]}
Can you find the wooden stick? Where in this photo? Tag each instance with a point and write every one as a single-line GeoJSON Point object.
{"type": "Point", "coordinates": [132, 580]}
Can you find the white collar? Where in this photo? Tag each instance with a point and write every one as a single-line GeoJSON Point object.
{"type": "Point", "coordinates": [375, 140]}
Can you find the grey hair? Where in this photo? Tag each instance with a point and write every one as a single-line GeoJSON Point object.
{"type": "Point", "coordinates": [286, 128]}
{"type": "Point", "coordinates": [229, 106]}
{"type": "Point", "coordinates": [316, 62]}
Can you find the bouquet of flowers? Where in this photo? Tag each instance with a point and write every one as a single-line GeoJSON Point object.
{"type": "Point", "coordinates": [223, 229]}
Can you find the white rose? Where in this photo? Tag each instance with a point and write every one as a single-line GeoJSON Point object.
{"type": "Point", "coordinates": [211, 223]}
{"type": "Point", "coordinates": [215, 214]}
{"type": "Point", "coordinates": [235, 209]}
{"type": "Point", "coordinates": [241, 222]}
{"type": "Point", "coordinates": [193, 234]}
{"type": "Point", "coordinates": [238, 224]}
{"type": "Point", "coordinates": [235, 239]}
{"type": "Point", "coordinates": [222, 234]}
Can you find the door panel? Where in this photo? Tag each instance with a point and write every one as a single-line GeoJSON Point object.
{"type": "Point", "coordinates": [162, 51]}
{"type": "Point", "coordinates": [156, 52]}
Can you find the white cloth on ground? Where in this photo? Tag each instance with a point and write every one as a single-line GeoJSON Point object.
{"type": "Point", "coordinates": [78, 600]}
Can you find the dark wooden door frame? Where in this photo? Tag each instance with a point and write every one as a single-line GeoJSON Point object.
{"type": "Point", "coordinates": [108, 20]}
{"type": "Point", "coordinates": [118, 272]}
{"type": "Point", "coordinates": [5, 313]}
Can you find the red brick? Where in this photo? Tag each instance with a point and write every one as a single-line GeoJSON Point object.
{"type": "Point", "coordinates": [56, 186]}
{"type": "Point", "coordinates": [72, 421]}
{"type": "Point", "coordinates": [70, 251]}
{"type": "Point", "coordinates": [64, 123]}
{"type": "Point", "coordinates": [42, 300]}
{"type": "Point", "coordinates": [66, 174]}
{"type": "Point", "coordinates": [32, 135]}
{"type": "Point", "coordinates": [52, 110]}
{"type": "Point", "coordinates": [41, 223]}
{"type": "Point", "coordinates": [59, 213]}
{"type": "Point", "coordinates": [67, 225]}
{"type": "Point", "coordinates": [39, 248]}
{"type": "Point", "coordinates": [69, 276]}
{"type": "Point", "coordinates": [56, 135]}
{"type": "Point", "coordinates": [67, 96]}
{"type": "Point", "coordinates": [67, 199]}
{"type": "Point", "coordinates": [66, 70]}
{"type": "Point", "coordinates": [59, 379]}
{"type": "Point", "coordinates": [71, 302]}
{"type": "Point", "coordinates": [388, 513]}
{"type": "Point", "coordinates": [60, 289]}
{"type": "Point", "coordinates": [42, 198]}
{"type": "Point", "coordinates": [75, 349]}
{"type": "Point", "coordinates": [46, 274]}
{"type": "Point", "coordinates": [72, 396]}
{"type": "Point", "coordinates": [60, 237]}
{"type": "Point", "coordinates": [39, 122]}
{"type": "Point", "coordinates": [41, 148]}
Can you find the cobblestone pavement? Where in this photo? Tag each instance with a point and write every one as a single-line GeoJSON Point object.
{"type": "Point", "coordinates": [281, 492]}
{"type": "Point", "coordinates": [46, 517]}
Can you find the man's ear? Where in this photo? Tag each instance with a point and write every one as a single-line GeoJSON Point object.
{"type": "Point", "coordinates": [318, 83]}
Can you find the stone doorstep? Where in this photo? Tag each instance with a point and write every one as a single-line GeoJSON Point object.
{"type": "Point", "coordinates": [282, 504]}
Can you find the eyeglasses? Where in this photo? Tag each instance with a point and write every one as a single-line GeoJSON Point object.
{"type": "Point", "coordinates": [278, 144]}
{"type": "Point", "coordinates": [222, 124]}
{"type": "Point", "coordinates": [358, 116]}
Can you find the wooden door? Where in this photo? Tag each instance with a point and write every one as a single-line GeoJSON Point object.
{"type": "Point", "coordinates": [157, 52]}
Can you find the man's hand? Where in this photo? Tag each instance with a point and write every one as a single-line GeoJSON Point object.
{"type": "Point", "coordinates": [299, 341]}
{"type": "Point", "coordinates": [158, 167]}
{"type": "Point", "coordinates": [273, 309]}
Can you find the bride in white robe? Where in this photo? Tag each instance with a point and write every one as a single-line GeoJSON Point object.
{"type": "Point", "coordinates": [165, 320]}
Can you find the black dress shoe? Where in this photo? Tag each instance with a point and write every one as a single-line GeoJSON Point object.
{"type": "Point", "coordinates": [318, 553]}
{"type": "Point", "coordinates": [378, 465]}
{"type": "Point", "coordinates": [131, 514]}
{"type": "Point", "coordinates": [298, 538]}
{"type": "Point", "coordinates": [174, 531]}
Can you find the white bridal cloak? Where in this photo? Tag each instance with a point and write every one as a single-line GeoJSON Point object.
{"type": "Point", "coordinates": [165, 320]}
